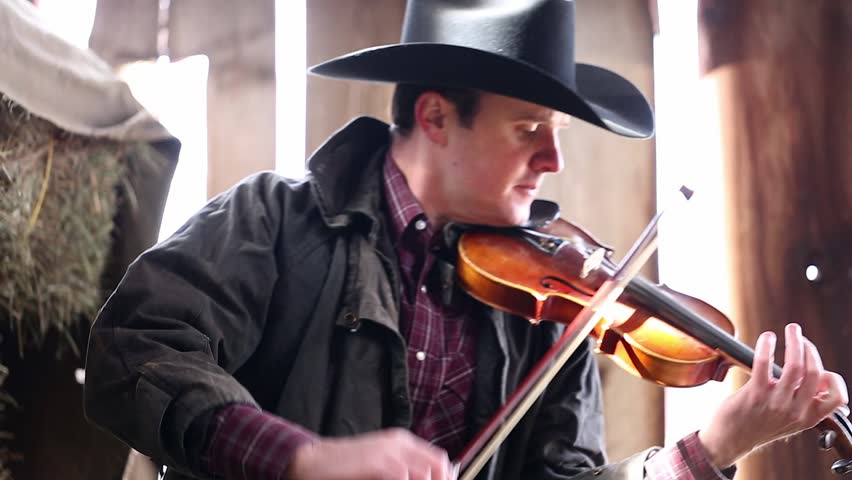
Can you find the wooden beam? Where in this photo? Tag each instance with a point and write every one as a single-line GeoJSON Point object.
{"type": "Point", "coordinates": [783, 70]}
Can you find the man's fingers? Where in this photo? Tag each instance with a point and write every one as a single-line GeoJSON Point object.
{"type": "Point", "coordinates": [841, 388]}
{"type": "Point", "coordinates": [454, 471]}
{"type": "Point", "coordinates": [441, 470]}
{"type": "Point", "coordinates": [794, 364]}
{"type": "Point", "coordinates": [818, 357]}
{"type": "Point", "coordinates": [391, 454]}
{"type": "Point", "coordinates": [764, 355]}
{"type": "Point", "coordinates": [828, 399]}
{"type": "Point", "coordinates": [432, 461]}
{"type": "Point", "coordinates": [440, 464]}
{"type": "Point", "coordinates": [829, 383]}
{"type": "Point", "coordinates": [812, 377]}
{"type": "Point", "coordinates": [833, 387]}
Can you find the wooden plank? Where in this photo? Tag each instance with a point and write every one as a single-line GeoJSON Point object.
{"type": "Point", "coordinates": [241, 83]}
{"type": "Point", "coordinates": [335, 28]}
{"type": "Point", "coordinates": [784, 108]}
{"type": "Point", "coordinates": [240, 126]}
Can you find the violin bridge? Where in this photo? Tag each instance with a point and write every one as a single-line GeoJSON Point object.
{"type": "Point", "coordinates": [593, 262]}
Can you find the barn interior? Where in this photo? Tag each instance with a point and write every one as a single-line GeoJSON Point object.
{"type": "Point", "coordinates": [752, 112]}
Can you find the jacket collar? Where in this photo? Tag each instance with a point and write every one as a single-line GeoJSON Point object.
{"type": "Point", "coordinates": [346, 173]}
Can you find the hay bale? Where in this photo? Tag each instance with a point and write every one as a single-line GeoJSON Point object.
{"type": "Point", "coordinates": [67, 231]}
{"type": "Point", "coordinates": [58, 197]}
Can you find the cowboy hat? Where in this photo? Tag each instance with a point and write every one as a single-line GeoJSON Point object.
{"type": "Point", "coordinates": [520, 48]}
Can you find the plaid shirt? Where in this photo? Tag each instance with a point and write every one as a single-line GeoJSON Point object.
{"type": "Point", "coordinates": [247, 443]}
{"type": "Point", "coordinates": [686, 460]}
{"type": "Point", "coordinates": [441, 339]}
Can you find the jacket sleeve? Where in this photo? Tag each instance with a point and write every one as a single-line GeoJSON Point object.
{"type": "Point", "coordinates": [187, 313]}
{"type": "Point", "coordinates": [631, 468]}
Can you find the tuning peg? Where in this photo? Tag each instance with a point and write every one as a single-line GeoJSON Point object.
{"type": "Point", "coordinates": [842, 467]}
{"type": "Point", "coordinates": [826, 439]}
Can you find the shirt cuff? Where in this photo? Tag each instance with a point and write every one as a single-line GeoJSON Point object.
{"type": "Point", "coordinates": [249, 443]}
{"type": "Point", "coordinates": [686, 460]}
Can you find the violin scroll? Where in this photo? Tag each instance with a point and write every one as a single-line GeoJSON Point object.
{"type": "Point", "coordinates": [836, 433]}
{"type": "Point", "coordinates": [841, 467]}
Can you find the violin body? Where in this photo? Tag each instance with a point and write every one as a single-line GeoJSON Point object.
{"type": "Point", "coordinates": [512, 273]}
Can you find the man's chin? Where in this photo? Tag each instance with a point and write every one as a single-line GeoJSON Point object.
{"type": "Point", "coordinates": [515, 217]}
{"type": "Point", "coordinates": [511, 215]}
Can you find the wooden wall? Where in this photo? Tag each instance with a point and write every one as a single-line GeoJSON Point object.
{"type": "Point", "coordinates": [783, 71]}
{"type": "Point", "coordinates": [336, 28]}
{"type": "Point", "coordinates": [239, 40]}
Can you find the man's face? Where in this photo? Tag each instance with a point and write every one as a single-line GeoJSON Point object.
{"type": "Point", "coordinates": [493, 169]}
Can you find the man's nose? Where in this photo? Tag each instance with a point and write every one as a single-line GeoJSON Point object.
{"type": "Point", "coordinates": [548, 158]}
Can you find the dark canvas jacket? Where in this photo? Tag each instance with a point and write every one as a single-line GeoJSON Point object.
{"type": "Point", "coordinates": [285, 294]}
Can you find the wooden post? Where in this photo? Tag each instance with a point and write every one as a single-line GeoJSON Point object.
{"type": "Point", "coordinates": [239, 40]}
{"type": "Point", "coordinates": [783, 71]}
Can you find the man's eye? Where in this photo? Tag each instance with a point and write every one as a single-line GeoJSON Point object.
{"type": "Point", "coordinates": [530, 127]}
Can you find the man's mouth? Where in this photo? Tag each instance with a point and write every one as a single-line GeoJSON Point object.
{"type": "Point", "coordinates": [528, 189]}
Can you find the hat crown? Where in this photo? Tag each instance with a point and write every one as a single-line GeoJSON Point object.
{"type": "Point", "coordinates": [537, 32]}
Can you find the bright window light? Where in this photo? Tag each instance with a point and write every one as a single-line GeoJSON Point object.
{"type": "Point", "coordinates": [176, 94]}
{"type": "Point", "coordinates": [290, 86]}
{"type": "Point", "coordinates": [692, 256]}
{"type": "Point", "coordinates": [71, 21]}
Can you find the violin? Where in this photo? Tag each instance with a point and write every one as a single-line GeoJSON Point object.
{"type": "Point", "coordinates": [652, 331]}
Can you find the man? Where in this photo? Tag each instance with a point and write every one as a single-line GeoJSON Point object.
{"type": "Point", "coordinates": [311, 330]}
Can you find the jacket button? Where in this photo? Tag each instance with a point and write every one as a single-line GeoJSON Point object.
{"type": "Point", "coordinates": [351, 321]}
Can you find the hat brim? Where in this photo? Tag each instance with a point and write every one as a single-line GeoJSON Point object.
{"type": "Point", "coordinates": [601, 97]}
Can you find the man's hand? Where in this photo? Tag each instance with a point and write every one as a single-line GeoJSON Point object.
{"type": "Point", "coordinates": [765, 408]}
{"type": "Point", "coordinates": [387, 454]}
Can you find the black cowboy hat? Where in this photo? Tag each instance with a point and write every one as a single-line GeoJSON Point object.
{"type": "Point", "coordinates": [521, 48]}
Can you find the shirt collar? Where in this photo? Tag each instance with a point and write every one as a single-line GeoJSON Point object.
{"type": "Point", "coordinates": [403, 206]}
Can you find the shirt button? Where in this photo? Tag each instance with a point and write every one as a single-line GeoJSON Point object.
{"type": "Point", "coordinates": [423, 288]}
{"type": "Point", "coordinates": [420, 224]}
{"type": "Point", "coordinates": [421, 355]}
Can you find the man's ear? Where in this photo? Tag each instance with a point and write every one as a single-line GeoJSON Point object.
{"type": "Point", "coordinates": [430, 114]}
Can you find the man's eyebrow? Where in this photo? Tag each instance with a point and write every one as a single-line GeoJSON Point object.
{"type": "Point", "coordinates": [543, 118]}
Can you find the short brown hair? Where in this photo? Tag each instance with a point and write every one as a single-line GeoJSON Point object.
{"type": "Point", "coordinates": [405, 96]}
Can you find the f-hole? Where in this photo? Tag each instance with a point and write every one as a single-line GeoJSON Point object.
{"type": "Point", "coordinates": [559, 284]}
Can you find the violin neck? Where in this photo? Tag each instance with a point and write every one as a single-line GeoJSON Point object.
{"type": "Point", "coordinates": [691, 323]}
